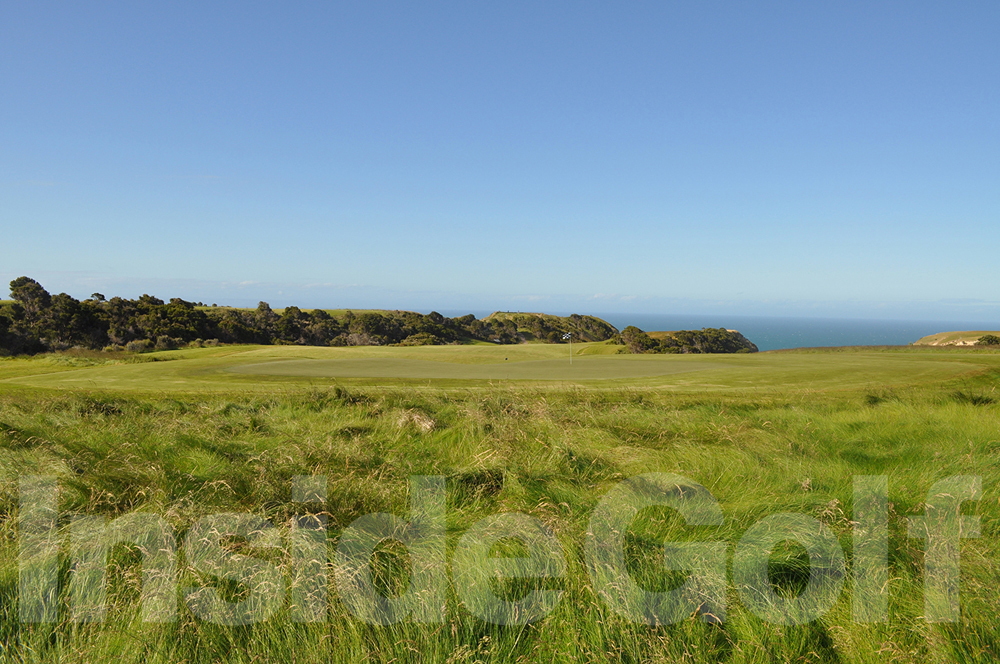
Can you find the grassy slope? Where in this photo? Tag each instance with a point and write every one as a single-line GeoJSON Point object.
{"type": "Point", "coordinates": [766, 433]}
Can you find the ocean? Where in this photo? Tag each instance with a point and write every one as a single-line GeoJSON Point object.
{"type": "Point", "coordinates": [773, 333]}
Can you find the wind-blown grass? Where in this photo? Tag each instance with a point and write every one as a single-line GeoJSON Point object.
{"type": "Point", "coordinates": [549, 452]}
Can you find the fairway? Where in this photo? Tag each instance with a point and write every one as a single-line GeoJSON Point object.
{"type": "Point", "coordinates": [262, 368]}
{"type": "Point", "coordinates": [584, 368]}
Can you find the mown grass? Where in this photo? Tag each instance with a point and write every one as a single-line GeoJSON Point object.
{"type": "Point", "coordinates": [793, 445]}
{"type": "Point", "coordinates": [245, 368]}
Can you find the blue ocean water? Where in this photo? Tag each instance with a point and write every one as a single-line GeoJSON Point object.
{"type": "Point", "coordinates": [773, 333]}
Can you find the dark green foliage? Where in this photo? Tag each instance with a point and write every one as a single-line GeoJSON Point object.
{"type": "Point", "coordinates": [707, 340]}
{"type": "Point", "coordinates": [542, 327]}
{"type": "Point", "coordinates": [37, 321]}
{"type": "Point", "coordinates": [4, 328]}
{"type": "Point", "coordinates": [637, 341]}
{"type": "Point", "coordinates": [988, 340]}
{"type": "Point", "coordinates": [714, 340]}
{"type": "Point", "coordinates": [591, 328]}
{"type": "Point", "coordinates": [420, 339]}
{"type": "Point", "coordinates": [16, 335]}
{"type": "Point", "coordinates": [30, 295]}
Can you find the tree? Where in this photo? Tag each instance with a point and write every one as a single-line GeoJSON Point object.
{"type": "Point", "coordinates": [637, 341]}
{"type": "Point", "coordinates": [290, 323]}
{"type": "Point", "coordinates": [265, 322]}
{"type": "Point", "coordinates": [30, 294]}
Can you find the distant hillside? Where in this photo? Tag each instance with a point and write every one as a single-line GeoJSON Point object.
{"type": "Point", "coordinates": [36, 321]}
{"type": "Point", "coordinates": [546, 327]}
{"type": "Point", "coordinates": [967, 338]}
{"type": "Point", "coordinates": [335, 313]}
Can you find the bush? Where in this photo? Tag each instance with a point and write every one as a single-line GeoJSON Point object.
{"type": "Point", "coordinates": [163, 342]}
{"type": "Point", "coordinates": [420, 339]}
{"type": "Point", "coordinates": [637, 341]}
{"type": "Point", "coordinates": [138, 346]}
{"type": "Point", "coordinates": [988, 340]}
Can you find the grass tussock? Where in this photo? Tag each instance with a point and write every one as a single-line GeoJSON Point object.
{"type": "Point", "coordinates": [551, 454]}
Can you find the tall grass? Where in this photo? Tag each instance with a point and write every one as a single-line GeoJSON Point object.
{"type": "Point", "coordinates": [549, 453]}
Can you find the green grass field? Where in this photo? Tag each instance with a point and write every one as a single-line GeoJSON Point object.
{"type": "Point", "coordinates": [189, 433]}
{"type": "Point", "coordinates": [594, 365]}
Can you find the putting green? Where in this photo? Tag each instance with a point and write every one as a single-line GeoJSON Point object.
{"type": "Point", "coordinates": [583, 368]}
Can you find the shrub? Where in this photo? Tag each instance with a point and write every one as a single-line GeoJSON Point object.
{"type": "Point", "coordinates": [163, 342]}
{"type": "Point", "coordinates": [420, 339]}
{"type": "Point", "coordinates": [988, 340]}
{"type": "Point", "coordinates": [636, 340]}
{"type": "Point", "coordinates": [138, 346]}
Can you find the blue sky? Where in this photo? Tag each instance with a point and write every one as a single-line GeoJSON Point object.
{"type": "Point", "coordinates": [746, 158]}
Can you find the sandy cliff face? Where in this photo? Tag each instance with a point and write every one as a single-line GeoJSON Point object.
{"type": "Point", "coordinates": [966, 338]}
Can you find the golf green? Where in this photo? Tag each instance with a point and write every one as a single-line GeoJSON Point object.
{"type": "Point", "coordinates": [583, 368]}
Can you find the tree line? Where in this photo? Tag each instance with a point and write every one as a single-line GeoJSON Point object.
{"type": "Point", "coordinates": [553, 329]}
{"type": "Point", "coordinates": [707, 340]}
{"type": "Point", "coordinates": [36, 321]}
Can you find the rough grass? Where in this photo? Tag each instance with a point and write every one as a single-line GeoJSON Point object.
{"type": "Point", "coordinates": [549, 452]}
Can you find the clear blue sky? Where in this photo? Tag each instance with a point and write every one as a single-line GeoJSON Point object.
{"type": "Point", "coordinates": [748, 158]}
